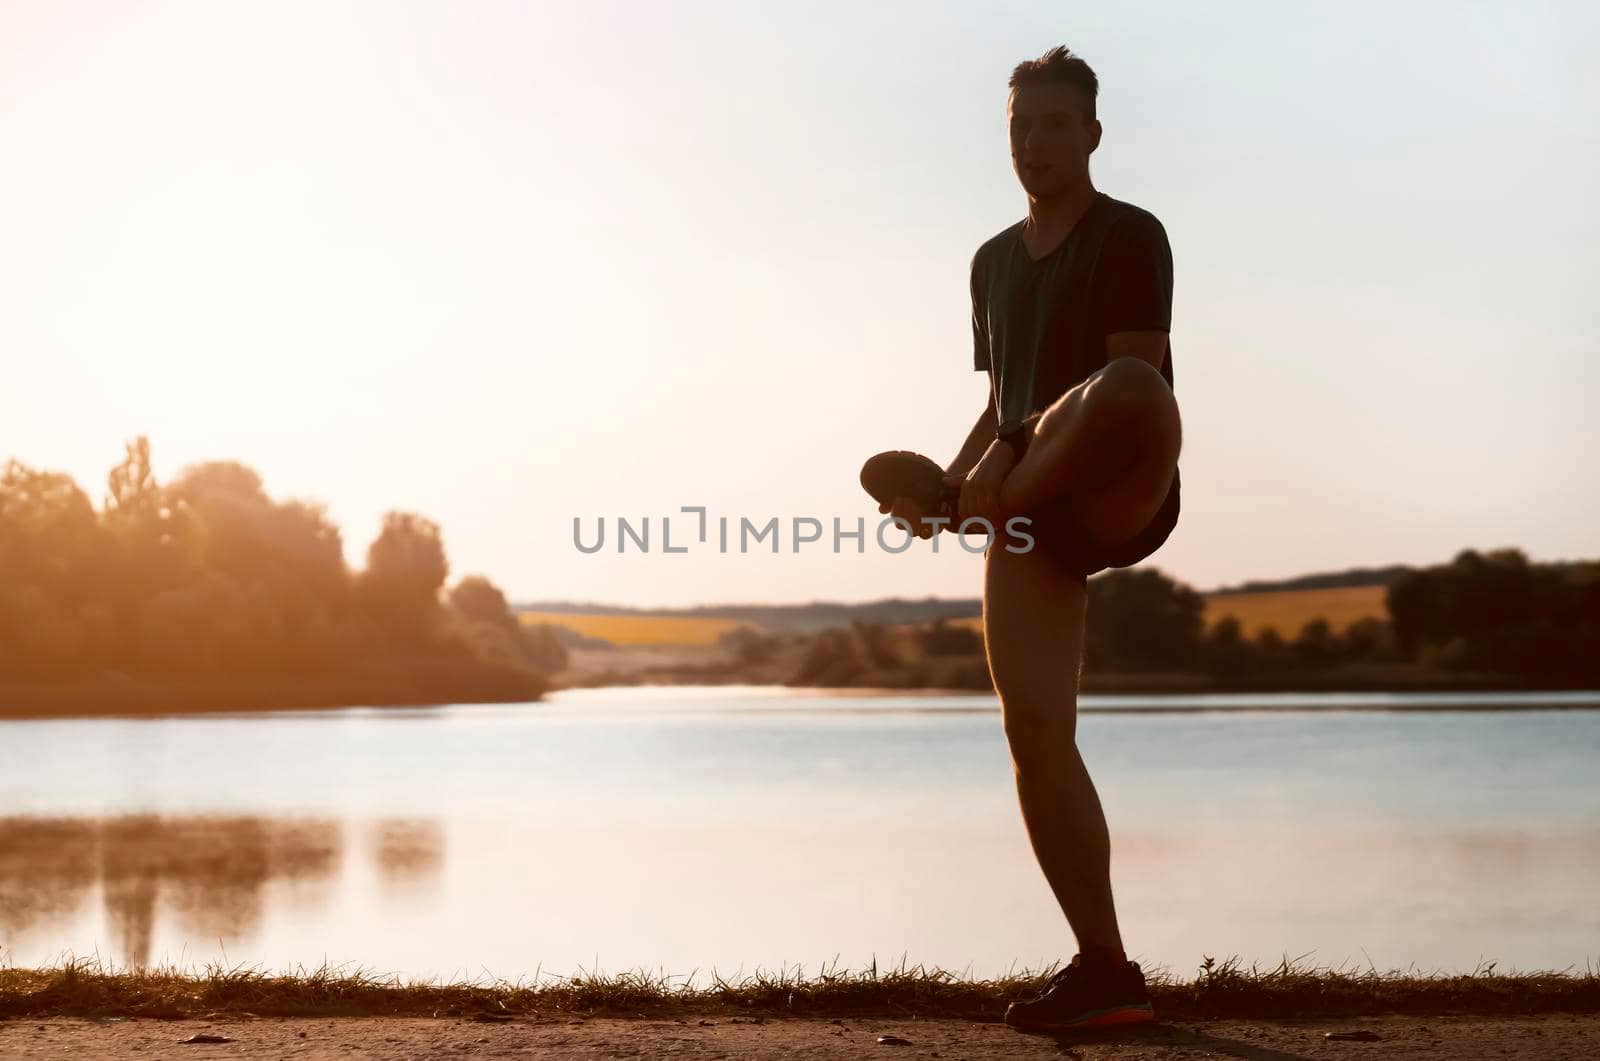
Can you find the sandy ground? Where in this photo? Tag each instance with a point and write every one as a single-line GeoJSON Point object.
{"type": "Point", "coordinates": [1551, 1038]}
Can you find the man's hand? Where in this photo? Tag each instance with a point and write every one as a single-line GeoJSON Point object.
{"type": "Point", "coordinates": [980, 488]}
{"type": "Point", "coordinates": [909, 510]}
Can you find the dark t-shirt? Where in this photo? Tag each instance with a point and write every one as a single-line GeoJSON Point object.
{"type": "Point", "coordinates": [1039, 327]}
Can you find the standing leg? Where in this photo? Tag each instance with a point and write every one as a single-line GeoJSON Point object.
{"type": "Point", "coordinates": [1033, 618]}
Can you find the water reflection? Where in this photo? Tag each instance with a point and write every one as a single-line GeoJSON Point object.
{"type": "Point", "coordinates": [47, 866]}
{"type": "Point", "coordinates": [210, 874]}
{"type": "Point", "coordinates": [638, 828]}
{"type": "Point", "coordinates": [409, 854]}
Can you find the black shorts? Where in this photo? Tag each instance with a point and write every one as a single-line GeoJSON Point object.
{"type": "Point", "coordinates": [1057, 528]}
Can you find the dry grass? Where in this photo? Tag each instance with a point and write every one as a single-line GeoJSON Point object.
{"type": "Point", "coordinates": [83, 988]}
{"type": "Point", "coordinates": [1290, 609]}
{"type": "Point", "coordinates": [640, 629]}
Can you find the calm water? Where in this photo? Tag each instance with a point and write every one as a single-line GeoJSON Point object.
{"type": "Point", "coordinates": [678, 830]}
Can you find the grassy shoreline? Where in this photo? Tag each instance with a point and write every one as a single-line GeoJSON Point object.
{"type": "Point", "coordinates": [409, 685]}
{"type": "Point", "coordinates": [83, 988]}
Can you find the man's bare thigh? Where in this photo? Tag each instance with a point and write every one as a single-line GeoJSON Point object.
{"type": "Point", "coordinates": [1033, 619]}
{"type": "Point", "coordinates": [1130, 416]}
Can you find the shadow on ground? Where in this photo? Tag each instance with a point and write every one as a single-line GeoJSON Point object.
{"type": "Point", "coordinates": [1160, 1034]}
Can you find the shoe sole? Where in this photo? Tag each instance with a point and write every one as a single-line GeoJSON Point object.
{"type": "Point", "coordinates": [902, 473]}
{"type": "Point", "coordinates": [1101, 1018]}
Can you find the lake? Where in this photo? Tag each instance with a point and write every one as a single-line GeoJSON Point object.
{"type": "Point", "coordinates": [681, 830]}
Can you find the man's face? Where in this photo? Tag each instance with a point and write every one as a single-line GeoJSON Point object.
{"type": "Point", "coordinates": [1051, 138]}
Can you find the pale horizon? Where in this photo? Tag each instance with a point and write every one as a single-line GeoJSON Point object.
{"type": "Point", "coordinates": [527, 264]}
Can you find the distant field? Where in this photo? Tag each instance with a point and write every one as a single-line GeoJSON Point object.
{"type": "Point", "coordinates": [1290, 609]}
{"type": "Point", "coordinates": [1287, 609]}
{"type": "Point", "coordinates": [639, 629]}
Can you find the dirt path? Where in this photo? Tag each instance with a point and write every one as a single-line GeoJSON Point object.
{"type": "Point", "coordinates": [1548, 1038]}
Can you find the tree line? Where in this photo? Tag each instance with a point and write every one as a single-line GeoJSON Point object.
{"type": "Point", "coordinates": [208, 579]}
{"type": "Point", "coordinates": [1485, 618]}
{"type": "Point", "coordinates": [1488, 613]}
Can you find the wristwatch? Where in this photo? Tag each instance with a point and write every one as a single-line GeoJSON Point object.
{"type": "Point", "coordinates": [1017, 436]}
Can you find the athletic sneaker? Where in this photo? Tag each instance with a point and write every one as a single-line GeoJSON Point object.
{"type": "Point", "coordinates": [901, 473]}
{"type": "Point", "coordinates": [1086, 995]}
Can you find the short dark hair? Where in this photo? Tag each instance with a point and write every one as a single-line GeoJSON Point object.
{"type": "Point", "coordinates": [1059, 66]}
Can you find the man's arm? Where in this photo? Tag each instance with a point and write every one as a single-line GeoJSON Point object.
{"type": "Point", "coordinates": [1136, 284]}
{"type": "Point", "coordinates": [1149, 346]}
{"type": "Point", "coordinates": [978, 439]}
{"type": "Point", "coordinates": [984, 431]}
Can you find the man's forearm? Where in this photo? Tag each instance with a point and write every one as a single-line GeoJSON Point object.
{"type": "Point", "coordinates": [977, 442]}
{"type": "Point", "coordinates": [984, 432]}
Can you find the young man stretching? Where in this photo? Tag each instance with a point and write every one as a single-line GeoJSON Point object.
{"type": "Point", "coordinates": [1071, 309]}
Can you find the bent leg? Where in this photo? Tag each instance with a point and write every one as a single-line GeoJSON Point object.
{"type": "Point", "coordinates": [1033, 618]}
{"type": "Point", "coordinates": [1110, 444]}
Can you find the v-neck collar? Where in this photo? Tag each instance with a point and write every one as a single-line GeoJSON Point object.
{"type": "Point", "coordinates": [1022, 245]}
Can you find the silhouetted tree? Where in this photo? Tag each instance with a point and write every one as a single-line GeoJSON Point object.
{"type": "Point", "coordinates": [1372, 640]}
{"type": "Point", "coordinates": [49, 549]}
{"type": "Point", "coordinates": [1139, 618]}
{"type": "Point", "coordinates": [1225, 650]}
{"type": "Point", "coordinates": [210, 577]}
{"type": "Point", "coordinates": [1315, 645]}
{"type": "Point", "coordinates": [1473, 593]}
{"type": "Point", "coordinates": [481, 601]}
{"type": "Point", "coordinates": [151, 546]}
{"type": "Point", "coordinates": [835, 658]}
{"type": "Point", "coordinates": [1497, 612]}
{"type": "Point", "coordinates": [495, 633]}
{"type": "Point", "coordinates": [875, 644]}
{"type": "Point", "coordinates": [940, 638]}
{"type": "Point", "coordinates": [406, 569]}
{"type": "Point", "coordinates": [749, 645]}
{"type": "Point", "coordinates": [1271, 652]}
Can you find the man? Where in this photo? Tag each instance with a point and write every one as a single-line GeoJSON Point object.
{"type": "Point", "coordinates": [1071, 309]}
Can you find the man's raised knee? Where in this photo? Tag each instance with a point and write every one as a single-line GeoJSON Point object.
{"type": "Point", "coordinates": [1129, 389]}
{"type": "Point", "coordinates": [1132, 380]}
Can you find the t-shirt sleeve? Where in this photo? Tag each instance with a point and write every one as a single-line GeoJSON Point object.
{"type": "Point", "coordinates": [980, 323]}
{"type": "Point", "coordinates": [1135, 278]}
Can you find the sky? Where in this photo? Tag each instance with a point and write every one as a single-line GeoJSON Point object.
{"type": "Point", "coordinates": [514, 266]}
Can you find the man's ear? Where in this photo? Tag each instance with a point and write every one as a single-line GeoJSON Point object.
{"type": "Point", "coordinates": [1094, 134]}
